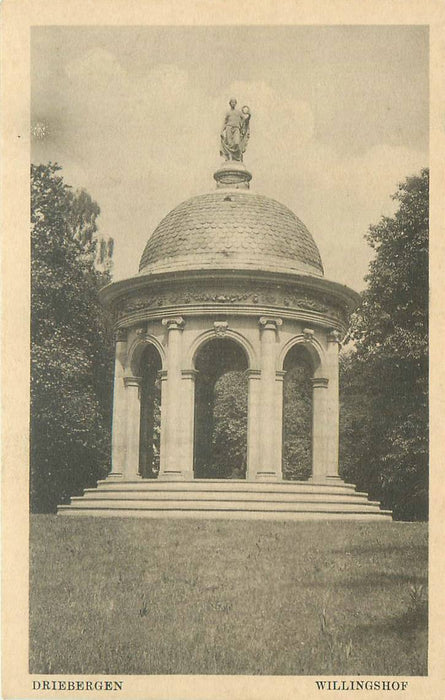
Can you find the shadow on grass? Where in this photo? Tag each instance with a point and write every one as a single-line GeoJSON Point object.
{"type": "Point", "coordinates": [371, 580]}
{"type": "Point", "coordinates": [407, 624]}
{"type": "Point", "coordinates": [389, 549]}
{"type": "Point", "coordinates": [409, 632]}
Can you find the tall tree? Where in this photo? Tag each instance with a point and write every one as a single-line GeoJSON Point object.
{"type": "Point", "coordinates": [385, 378]}
{"type": "Point", "coordinates": [71, 344]}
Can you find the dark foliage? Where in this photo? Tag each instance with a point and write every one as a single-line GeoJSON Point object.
{"type": "Point", "coordinates": [229, 433]}
{"type": "Point", "coordinates": [71, 344]}
{"type": "Point", "coordinates": [297, 422]}
{"type": "Point", "coordinates": [229, 437]}
{"type": "Point", "coordinates": [384, 380]}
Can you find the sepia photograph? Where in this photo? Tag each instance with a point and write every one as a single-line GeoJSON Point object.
{"type": "Point", "coordinates": [228, 322]}
{"type": "Point", "coordinates": [229, 424]}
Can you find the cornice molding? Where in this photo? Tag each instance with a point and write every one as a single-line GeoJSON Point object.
{"type": "Point", "coordinates": [189, 312]}
{"type": "Point", "coordinates": [122, 288]}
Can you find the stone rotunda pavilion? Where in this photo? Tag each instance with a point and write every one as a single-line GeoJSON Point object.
{"type": "Point", "coordinates": [229, 280]}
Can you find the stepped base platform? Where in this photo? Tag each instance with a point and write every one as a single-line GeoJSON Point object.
{"type": "Point", "coordinates": [226, 499]}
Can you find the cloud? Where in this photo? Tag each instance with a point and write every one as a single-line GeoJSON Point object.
{"type": "Point", "coordinates": [143, 140]}
{"type": "Point", "coordinates": [344, 195]}
{"type": "Point", "coordinates": [97, 66]}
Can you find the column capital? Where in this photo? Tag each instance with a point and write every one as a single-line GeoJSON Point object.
{"type": "Point", "coordinates": [189, 373]}
{"type": "Point", "coordinates": [162, 374]}
{"type": "Point", "coordinates": [132, 381]}
{"type": "Point", "coordinates": [268, 323]}
{"type": "Point", "coordinates": [280, 374]}
{"type": "Point", "coordinates": [334, 337]}
{"type": "Point", "coordinates": [320, 383]}
{"type": "Point", "coordinates": [220, 328]}
{"type": "Point", "coordinates": [120, 335]}
{"type": "Point", "coordinates": [174, 323]}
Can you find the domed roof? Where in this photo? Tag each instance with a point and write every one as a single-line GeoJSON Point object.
{"type": "Point", "coordinates": [231, 229]}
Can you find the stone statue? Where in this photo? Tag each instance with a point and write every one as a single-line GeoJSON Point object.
{"type": "Point", "coordinates": [235, 132]}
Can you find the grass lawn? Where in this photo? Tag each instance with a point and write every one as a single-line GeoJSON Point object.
{"type": "Point", "coordinates": [161, 596]}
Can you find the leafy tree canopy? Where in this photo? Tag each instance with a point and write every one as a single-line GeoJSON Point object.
{"type": "Point", "coordinates": [71, 346]}
{"type": "Point", "coordinates": [384, 438]}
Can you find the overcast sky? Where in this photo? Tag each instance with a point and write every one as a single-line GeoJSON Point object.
{"type": "Point", "coordinates": [133, 115]}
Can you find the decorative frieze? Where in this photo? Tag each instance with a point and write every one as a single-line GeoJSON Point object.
{"type": "Point", "coordinates": [138, 303]}
{"type": "Point", "coordinates": [294, 299]}
{"type": "Point", "coordinates": [204, 296]}
{"type": "Point", "coordinates": [286, 297]}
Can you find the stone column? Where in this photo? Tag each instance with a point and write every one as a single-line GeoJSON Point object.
{"type": "Point", "coordinates": [253, 417]}
{"type": "Point", "coordinates": [172, 412]}
{"type": "Point", "coordinates": [188, 421]}
{"type": "Point", "coordinates": [278, 427]}
{"type": "Point", "coordinates": [319, 433]}
{"type": "Point", "coordinates": [162, 374]}
{"type": "Point", "coordinates": [119, 420]}
{"type": "Point", "coordinates": [132, 391]}
{"type": "Point", "coordinates": [333, 407]}
{"type": "Point", "coordinates": [269, 467]}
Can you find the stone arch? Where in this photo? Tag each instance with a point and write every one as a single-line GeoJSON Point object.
{"type": "Point", "coordinates": [299, 370]}
{"type": "Point", "coordinates": [149, 366]}
{"type": "Point", "coordinates": [198, 343]}
{"type": "Point", "coordinates": [137, 349]}
{"type": "Point", "coordinates": [313, 348]}
{"type": "Point", "coordinates": [221, 406]}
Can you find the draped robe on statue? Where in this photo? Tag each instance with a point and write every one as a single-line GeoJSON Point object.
{"type": "Point", "coordinates": [235, 134]}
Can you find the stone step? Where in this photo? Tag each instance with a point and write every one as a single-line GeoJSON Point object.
{"type": "Point", "coordinates": [225, 495]}
{"type": "Point", "coordinates": [124, 511]}
{"type": "Point", "coordinates": [227, 505]}
{"type": "Point", "coordinates": [219, 485]}
{"type": "Point", "coordinates": [226, 498]}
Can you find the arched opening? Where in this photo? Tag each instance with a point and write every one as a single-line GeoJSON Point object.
{"type": "Point", "coordinates": [297, 414]}
{"type": "Point", "coordinates": [150, 428]}
{"type": "Point", "coordinates": [220, 444]}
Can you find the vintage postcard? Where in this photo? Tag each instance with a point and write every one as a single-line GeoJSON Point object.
{"type": "Point", "coordinates": [222, 329]}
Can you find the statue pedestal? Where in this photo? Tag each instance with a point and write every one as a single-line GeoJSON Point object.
{"type": "Point", "coordinates": [233, 174]}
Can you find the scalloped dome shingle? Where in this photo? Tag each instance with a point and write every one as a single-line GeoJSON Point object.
{"type": "Point", "coordinates": [231, 230]}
